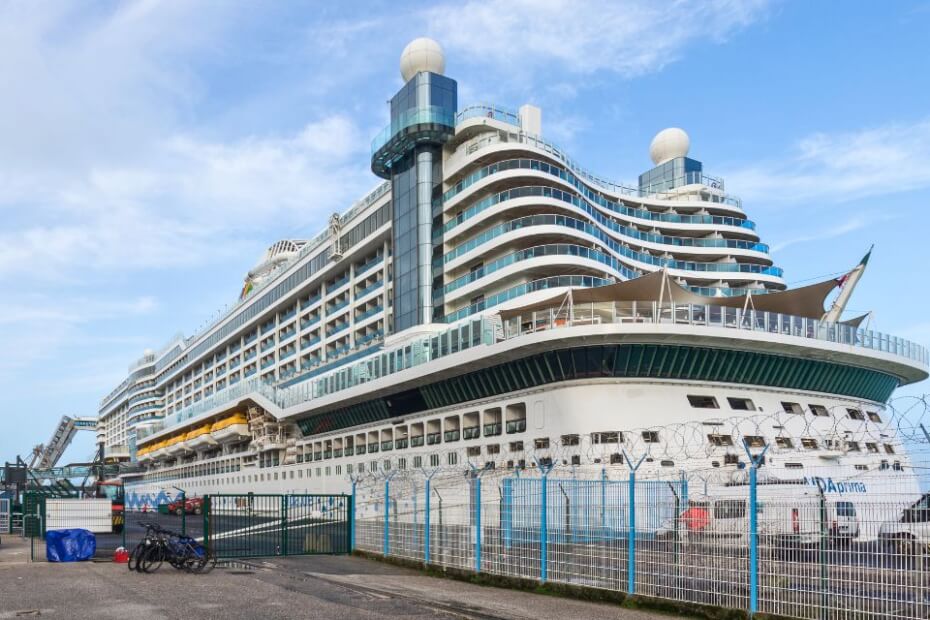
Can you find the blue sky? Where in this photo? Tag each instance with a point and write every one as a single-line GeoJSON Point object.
{"type": "Point", "coordinates": [150, 151]}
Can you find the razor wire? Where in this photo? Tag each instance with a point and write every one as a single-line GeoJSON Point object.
{"type": "Point", "coordinates": [900, 423]}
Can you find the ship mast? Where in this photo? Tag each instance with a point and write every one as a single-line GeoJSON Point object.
{"type": "Point", "coordinates": [847, 284]}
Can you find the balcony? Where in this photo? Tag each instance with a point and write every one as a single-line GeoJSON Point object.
{"type": "Point", "coordinates": [268, 345]}
{"type": "Point", "coordinates": [287, 354]}
{"type": "Point", "coordinates": [366, 339]}
{"type": "Point", "coordinates": [490, 430]}
{"type": "Point", "coordinates": [338, 284]}
{"type": "Point", "coordinates": [449, 436]}
{"type": "Point", "coordinates": [327, 454]}
{"type": "Point", "coordinates": [284, 317]}
{"type": "Point", "coordinates": [360, 450]}
{"type": "Point", "coordinates": [267, 363]}
{"type": "Point", "coordinates": [400, 444]}
{"type": "Point", "coordinates": [387, 445]}
{"type": "Point", "coordinates": [416, 442]}
{"type": "Point", "coordinates": [250, 339]}
{"type": "Point", "coordinates": [307, 322]}
{"type": "Point", "coordinates": [318, 456]}
{"type": "Point", "coordinates": [369, 289]}
{"type": "Point", "coordinates": [349, 451]}
{"type": "Point", "coordinates": [516, 426]}
{"type": "Point", "coordinates": [306, 344]}
{"type": "Point", "coordinates": [337, 454]}
{"type": "Point", "coordinates": [471, 432]}
{"type": "Point", "coordinates": [368, 313]}
{"type": "Point", "coordinates": [336, 307]}
{"type": "Point", "coordinates": [267, 327]}
{"type": "Point", "coordinates": [288, 333]}
{"type": "Point", "coordinates": [372, 448]}
{"type": "Point", "coordinates": [433, 438]}
{"type": "Point", "coordinates": [250, 355]}
{"type": "Point", "coordinates": [309, 302]}
{"type": "Point", "coordinates": [365, 267]}
{"type": "Point", "coordinates": [335, 329]}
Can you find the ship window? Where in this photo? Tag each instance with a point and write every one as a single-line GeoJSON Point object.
{"type": "Point", "coordinates": [873, 416]}
{"type": "Point", "coordinates": [794, 466]}
{"type": "Point", "coordinates": [819, 410]}
{"type": "Point", "coordinates": [570, 440]}
{"type": "Point", "coordinates": [576, 459]}
{"type": "Point", "coordinates": [889, 448]}
{"type": "Point", "coordinates": [607, 437]}
{"type": "Point", "coordinates": [493, 448]}
{"type": "Point", "coordinates": [474, 451]}
{"type": "Point", "coordinates": [730, 509]}
{"type": "Point", "coordinates": [651, 436]}
{"type": "Point", "coordinates": [784, 442]}
{"type": "Point", "coordinates": [418, 461]}
{"type": "Point", "coordinates": [741, 404]}
{"type": "Point", "coordinates": [541, 443]}
{"type": "Point", "coordinates": [871, 447]}
{"type": "Point", "coordinates": [853, 446]}
{"type": "Point", "coordinates": [703, 402]}
{"type": "Point", "coordinates": [453, 458]}
{"type": "Point", "coordinates": [754, 441]}
{"type": "Point", "coordinates": [668, 463]}
{"type": "Point", "coordinates": [616, 458]}
{"type": "Point", "coordinates": [855, 414]}
{"type": "Point", "coordinates": [792, 407]}
{"type": "Point", "coordinates": [516, 446]}
{"type": "Point", "coordinates": [861, 467]}
{"type": "Point", "coordinates": [434, 460]}
{"type": "Point", "coordinates": [809, 443]}
{"type": "Point", "coordinates": [720, 440]}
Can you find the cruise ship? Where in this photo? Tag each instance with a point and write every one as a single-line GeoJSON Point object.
{"type": "Point", "coordinates": [493, 304]}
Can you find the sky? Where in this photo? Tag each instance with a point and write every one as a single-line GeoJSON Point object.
{"type": "Point", "coordinates": [151, 150]}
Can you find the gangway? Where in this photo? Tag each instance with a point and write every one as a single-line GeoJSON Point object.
{"type": "Point", "coordinates": [46, 457]}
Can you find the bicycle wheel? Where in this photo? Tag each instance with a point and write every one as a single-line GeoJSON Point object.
{"type": "Point", "coordinates": [152, 559]}
{"type": "Point", "coordinates": [133, 561]}
{"type": "Point", "coordinates": [203, 562]}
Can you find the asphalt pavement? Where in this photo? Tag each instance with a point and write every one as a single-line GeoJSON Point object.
{"type": "Point", "coordinates": [331, 587]}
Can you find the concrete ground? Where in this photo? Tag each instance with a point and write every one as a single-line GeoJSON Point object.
{"type": "Point", "coordinates": [331, 587]}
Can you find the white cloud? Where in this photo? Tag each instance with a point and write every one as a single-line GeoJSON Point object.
{"type": "Point", "coordinates": [844, 166]}
{"type": "Point", "coordinates": [628, 38]}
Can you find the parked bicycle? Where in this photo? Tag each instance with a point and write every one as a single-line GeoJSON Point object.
{"type": "Point", "coordinates": [160, 545]}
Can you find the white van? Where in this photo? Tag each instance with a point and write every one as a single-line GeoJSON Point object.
{"type": "Point", "coordinates": [910, 533]}
{"type": "Point", "coordinates": [787, 514]}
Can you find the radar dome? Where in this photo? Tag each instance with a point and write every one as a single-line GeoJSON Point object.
{"type": "Point", "coordinates": [669, 144]}
{"type": "Point", "coordinates": [422, 54]}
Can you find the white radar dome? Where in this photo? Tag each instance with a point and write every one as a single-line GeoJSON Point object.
{"type": "Point", "coordinates": [669, 144]}
{"type": "Point", "coordinates": [422, 54]}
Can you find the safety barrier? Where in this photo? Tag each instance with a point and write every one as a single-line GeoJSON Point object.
{"type": "Point", "coordinates": [760, 538]}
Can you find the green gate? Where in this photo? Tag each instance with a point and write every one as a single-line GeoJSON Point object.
{"type": "Point", "coordinates": [250, 525]}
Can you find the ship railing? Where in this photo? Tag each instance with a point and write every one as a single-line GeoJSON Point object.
{"type": "Point", "coordinates": [699, 315]}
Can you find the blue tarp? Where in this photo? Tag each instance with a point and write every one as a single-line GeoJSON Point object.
{"type": "Point", "coordinates": [69, 545]}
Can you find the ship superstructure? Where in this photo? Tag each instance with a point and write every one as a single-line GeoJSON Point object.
{"type": "Point", "coordinates": [492, 303]}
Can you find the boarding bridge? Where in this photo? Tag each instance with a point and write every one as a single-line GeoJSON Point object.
{"type": "Point", "coordinates": [49, 454]}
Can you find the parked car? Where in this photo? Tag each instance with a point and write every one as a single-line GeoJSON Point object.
{"type": "Point", "coordinates": [910, 533]}
{"type": "Point", "coordinates": [192, 506]}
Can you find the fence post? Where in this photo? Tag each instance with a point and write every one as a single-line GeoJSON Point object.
{"type": "Point", "coordinates": [386, 548]}
{"type": "Point", "coordinates": [183, 514]}
{"type": "Point", "coordinates": [754, 463]}
{"type": "Point", "coordinates": [426, 526]}
{"type": "Point", "coordinates": [284, 525]}
{"type": "Point", "coordinates": [544, 522]}
{"type": "Point", "coordinates": [631, 535]}
{"type": "Point", "coordinates": [352, 517]}
{"type": "Point", "coordinates": [478, 524]}
{"type": "Point", "coordinates": [603, 502]}
{"type": "Point", "coordinates": [206, 522]}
